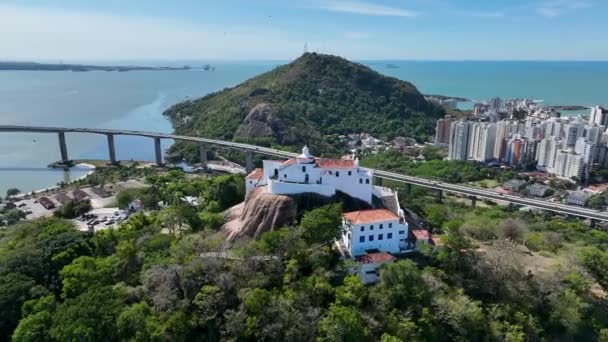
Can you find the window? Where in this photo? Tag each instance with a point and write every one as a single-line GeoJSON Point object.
{"type": "Point", "coordinates": [337, 174]}
{"type": "Point", "coordinates": [350, 173]}
{"type": "Point", "coordinates": [360, 180]}
{"type": "Point", "coordinates": [303, 168]}
{"type": "Point", "coordinates": [362, 228]}
{"type": "Point", "coordinates": [370, 238]}
{"type": "Point", "coordinates": [371, 227]}
{"type": "Point", "coordinates": [390, 225]}
{"type": "Point", "coordinates": [284, 175]}
{"type": "Point", "coordinates": [389, 235]}
{"type": "Point", "coordinates": [401, 232]}
{"type": "Point", "coordinates": [362, 239]}
{"type": "Point", "coordinates": [367, 181]}
{"type": "Point", "coordinates": [381, 226]}
{"type": "Point", "coordinates": [380, 237]}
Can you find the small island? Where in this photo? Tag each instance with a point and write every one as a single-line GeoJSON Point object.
{"type": "Point", "coordinates": [32, 66]}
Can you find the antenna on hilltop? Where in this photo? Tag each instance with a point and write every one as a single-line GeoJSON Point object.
{"type": "Point", "coordinates": [306, 47]}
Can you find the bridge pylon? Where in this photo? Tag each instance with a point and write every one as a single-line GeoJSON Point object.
{"type": "Point", "coordinates": [63, 148]}
{"type": "Point", "coordinates": [249, 161]}
{"type": "Point", "coordinates": [158, 152]}
{"type": "Point", "coordinates": [112, 149]}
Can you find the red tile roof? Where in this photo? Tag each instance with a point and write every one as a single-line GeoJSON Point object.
{"type": "Point", "coordinates": [335, 163]}
{"type": "Point", "coordinates": [368, 216]}
{"type": "Point", "coordinates": [597, 188]}
{"type": "Point", "coordinates": [325, 163]}
{"type": "Point", "coordinates": [256, 174]}
{"type": "Point", "coordinates": [376, 258]}
{"type": "Point", "coordinates": [420, 234]}
{"type": "Point", "coordinates": [289, 162]}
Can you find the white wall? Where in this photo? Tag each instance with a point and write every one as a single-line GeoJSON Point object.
{"type": "Point", "coordinates": [283, 188]}
{"type": "Point", "coordinates": [269, 166]}
{"type": "Point", "coordinates": [250, 184]}
{"type": "Point", "coordinates": [352, 234]}
{"type": "Point", "coordinates": [358, 184]}
{"type": "Point", "coordinates": [368, 273]}
{"type": "Point", "coordinates": [297, 173]}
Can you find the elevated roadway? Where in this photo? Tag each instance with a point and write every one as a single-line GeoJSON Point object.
{"type": "Point", "coordinates": [249, 150]}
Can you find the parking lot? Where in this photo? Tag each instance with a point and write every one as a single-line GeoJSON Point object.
{"type": "Point", "coordinates": [102, 218]}
{"type": "Point", "coordinates": [34, 208]}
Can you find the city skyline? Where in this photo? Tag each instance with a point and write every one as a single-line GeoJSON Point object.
{"type": "Point", "coordinates": [274, 30]}
{"type": "Point", "coordinates": [528, 137]}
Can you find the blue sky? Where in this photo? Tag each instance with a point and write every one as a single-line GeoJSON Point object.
{"type": "Point", "coordinates": [278, 29]}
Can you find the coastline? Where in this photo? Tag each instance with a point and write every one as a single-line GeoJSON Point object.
{"type": "Point", "coordinates": [32, 66]}
{"type": "Point", "coordinates": [440, 77]}
{"type": "Point", "coordinates": [91, 168]}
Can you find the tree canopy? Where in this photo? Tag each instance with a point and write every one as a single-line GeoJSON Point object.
{"type": "Point", "coordinates": [492, 278]}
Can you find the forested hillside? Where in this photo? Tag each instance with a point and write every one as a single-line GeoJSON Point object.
{"type": "Point", "coordinates": [310, 100]}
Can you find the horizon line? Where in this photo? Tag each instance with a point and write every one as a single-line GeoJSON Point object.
{"type": "Point", "coordinates": [204, 60]}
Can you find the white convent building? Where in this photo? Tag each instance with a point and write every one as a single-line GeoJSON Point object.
{"type": "Point", "coordinates": [372, 237]}
{"type": "Point", "coordinates": [374, 229]}
{"type": "Point", "coordinates": [307, 174]}
{"type": "Point", "coordinates": [369, 236]}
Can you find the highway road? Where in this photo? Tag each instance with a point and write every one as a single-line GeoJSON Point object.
{"type": "Point", "coordinates": [493, 195]}
{"type": "Point", "coordinates": [452, 188]}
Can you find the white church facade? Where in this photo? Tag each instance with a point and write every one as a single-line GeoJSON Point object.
{"type": "Point", "coordinates": [308, 174]}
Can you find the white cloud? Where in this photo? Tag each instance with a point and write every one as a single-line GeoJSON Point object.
{"type": "Point", "coordinates": [555, 8]}
{"type": "Point", "coordinates": [365, 8]}
{"type": "Point", "coordinates": [42, 33]}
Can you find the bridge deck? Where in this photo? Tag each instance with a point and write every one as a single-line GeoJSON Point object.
{"type": "Point", "coordinates": [452, 188]}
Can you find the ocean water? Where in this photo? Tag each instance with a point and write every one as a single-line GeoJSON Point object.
{"type": "Point", "coordinates": [556, 83]}
{"type": "Point", "coordinates": [128, 100]}
{"type": "Point", "coordinates": [136, 100]}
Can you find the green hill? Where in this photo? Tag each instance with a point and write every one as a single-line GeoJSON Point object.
{"type": "Point", "coordinates": [311, 100]}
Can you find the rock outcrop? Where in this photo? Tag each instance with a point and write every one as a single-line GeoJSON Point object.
{"type": "Point", "coordinates": [261, 121]}
{"type": "Point", "coordinates": [261, 212]}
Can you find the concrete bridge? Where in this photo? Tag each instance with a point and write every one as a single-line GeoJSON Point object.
{"type": "Point", "coordinates": [249, 150]}
{"type": "Point", "coordinates": [204, 143]}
